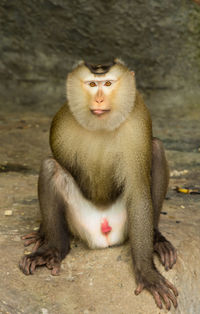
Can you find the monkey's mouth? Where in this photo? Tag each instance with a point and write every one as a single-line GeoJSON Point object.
{"type": "Point", "coordinates": [99, 112]}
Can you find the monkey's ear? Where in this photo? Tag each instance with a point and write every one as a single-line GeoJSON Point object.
{"type": "Point", "coordinates": [78, 63]}
{"type": "Point", "coordinates": [133, 73]}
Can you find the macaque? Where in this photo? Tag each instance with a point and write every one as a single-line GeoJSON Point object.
{"type": "Point", "coordinates": [106, 180]}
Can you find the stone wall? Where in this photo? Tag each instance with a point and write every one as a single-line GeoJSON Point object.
{"type": "Point", "coordinates": [41, 39]}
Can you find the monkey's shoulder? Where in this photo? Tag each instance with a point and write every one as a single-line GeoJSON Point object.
{"type": "Point", "coordinates": [61, 124]}
{"type": "Point", "coordinates": [62, 115]}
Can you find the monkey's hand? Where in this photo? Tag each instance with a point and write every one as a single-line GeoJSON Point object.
{"type": "Point", "coordinates": [165, 250]}
{"type": "Point", "coordinates": [159, 287]}
{"type": "Point", "coordinates": [50, 257]}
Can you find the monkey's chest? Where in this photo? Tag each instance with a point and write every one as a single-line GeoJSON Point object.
{"type": "Point", "coordinates": [96, 182]}
{"type": "Point", "coordinates": [98, 226]}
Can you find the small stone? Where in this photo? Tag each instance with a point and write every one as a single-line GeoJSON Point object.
{"type": "Point", "coordinates": [16, 238]}
{"type": "Point", "coordinates": [120, 285]}
{"type": "Point", "coordinates": [44, 311]}
{"type": "Point", "coordinates": [182, 206]}
{"type": "Point", "coordinates": [119, 258]}
{"type": "Point", "coordinates": [91, 282]}
{"type": "Point", "coordinates": [27, 252]}
{"type": "Point", "coordinates": [177, 173]}
{"type": "Point", "coordinates": [36, 228]}
{"type": "Point", "coordinates": [92, 308]}
{"type": "Point", "coordinates": [8, 212]}
{"type": "Point", "coordinates": [70, 278]}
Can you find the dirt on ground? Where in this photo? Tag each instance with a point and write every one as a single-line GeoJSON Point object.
{"type": "Point", "coordinates": [94, 281]}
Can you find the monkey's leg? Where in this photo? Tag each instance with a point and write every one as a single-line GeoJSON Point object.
{"type": "Point", "coordinates": [160, 179]}
{"type": "Point", "coordinates": [52, 240]}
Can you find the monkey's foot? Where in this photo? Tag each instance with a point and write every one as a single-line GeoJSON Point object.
{"type": "Point", "coordinates": [43, 256]}
{"type": "Point", "coordinates": [159, 287]}
{"type": "Point", "coordinates": [165, 250]}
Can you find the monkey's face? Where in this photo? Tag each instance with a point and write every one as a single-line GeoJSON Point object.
{"type": "Point", "coordinates": [101, 101]}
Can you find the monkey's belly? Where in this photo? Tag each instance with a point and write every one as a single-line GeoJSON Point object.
{"type": "Point", "coordinates": [86, 219]}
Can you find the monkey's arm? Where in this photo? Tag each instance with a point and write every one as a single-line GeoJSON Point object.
{"type": "Point", "coordinates": [52, 240]}
{"type": "Point", "coordinates": [140, 217]}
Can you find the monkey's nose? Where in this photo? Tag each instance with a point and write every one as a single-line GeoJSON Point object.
{"type": "Point", "coordinates": [99, 100]}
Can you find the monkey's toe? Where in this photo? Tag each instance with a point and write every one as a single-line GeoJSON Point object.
{"type": "Point", "coordinates": [31, 238]}
{"type": "Point", "coordinates": [49, 258]}
{"type": "Point", "coordinates": [24, 265]}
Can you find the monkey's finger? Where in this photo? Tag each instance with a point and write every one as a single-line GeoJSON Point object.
{"type": "Point", "coordinates": [172, 298]}
{"type": "Point", "coordinates": [165, 299]}
{"type": "Point", "coordinates": [172, 287]}
{"type": "Point", "coordinates": [23, 264]}
{"type": "Point", "coordinates": [169, 250]}
{"type": "Point", "coordinates": [41, 261]}
{"type": "Point", "coordinates": [175, 256]}
{"type": "Point", "coordinates": [167, 258]}
{"type": "Point", "coordinates": [29, 235]}
{"type": "Point", "coordinates": [49, 266]}
{"type": "Point", "coordinates": [30, 241]}
{"type": "Point", "coordinates": [32, 267]}
{"type": "Point", "coordinates": [165, 255]}
{"type": "Point", "coordinates": [162, 254]}
{"type": "Point", "coordinates": [156, 298]}
{"type": "Point", "coordinates": [139, 288]}
{"type": "Point", "coordinates": [51, 263]}
{"type": "Point", "coordinates": [172, 258]}
{"type": "Point", "coordinates": [27, 266]}
{"type": "Point", "coordinates": [160, 250]}
{"type": "Point", "coordinates": [56, 270]}
{"type": "Point", "coordinates": [168, 297]}
{"type": "Point", "coordinates": [36, 246]}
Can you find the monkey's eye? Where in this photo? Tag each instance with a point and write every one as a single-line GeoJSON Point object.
{"type": "Point", "coordinates": [108, 83]}
{"type": "Point", "coordinates": [92, 84]}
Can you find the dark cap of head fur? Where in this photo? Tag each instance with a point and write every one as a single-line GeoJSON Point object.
{"type": "Point", "coordinates": [100, 68]}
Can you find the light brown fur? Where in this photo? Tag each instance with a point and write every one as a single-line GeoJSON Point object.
{"type": "Point", "coordinates": [111, 154]}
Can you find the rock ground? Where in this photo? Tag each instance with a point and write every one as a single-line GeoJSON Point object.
{"type": "Point", "coordinates": [95, 281]}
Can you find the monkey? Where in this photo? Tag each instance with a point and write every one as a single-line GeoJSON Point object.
{"type": "Point", "coordinates": [106, 179]}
